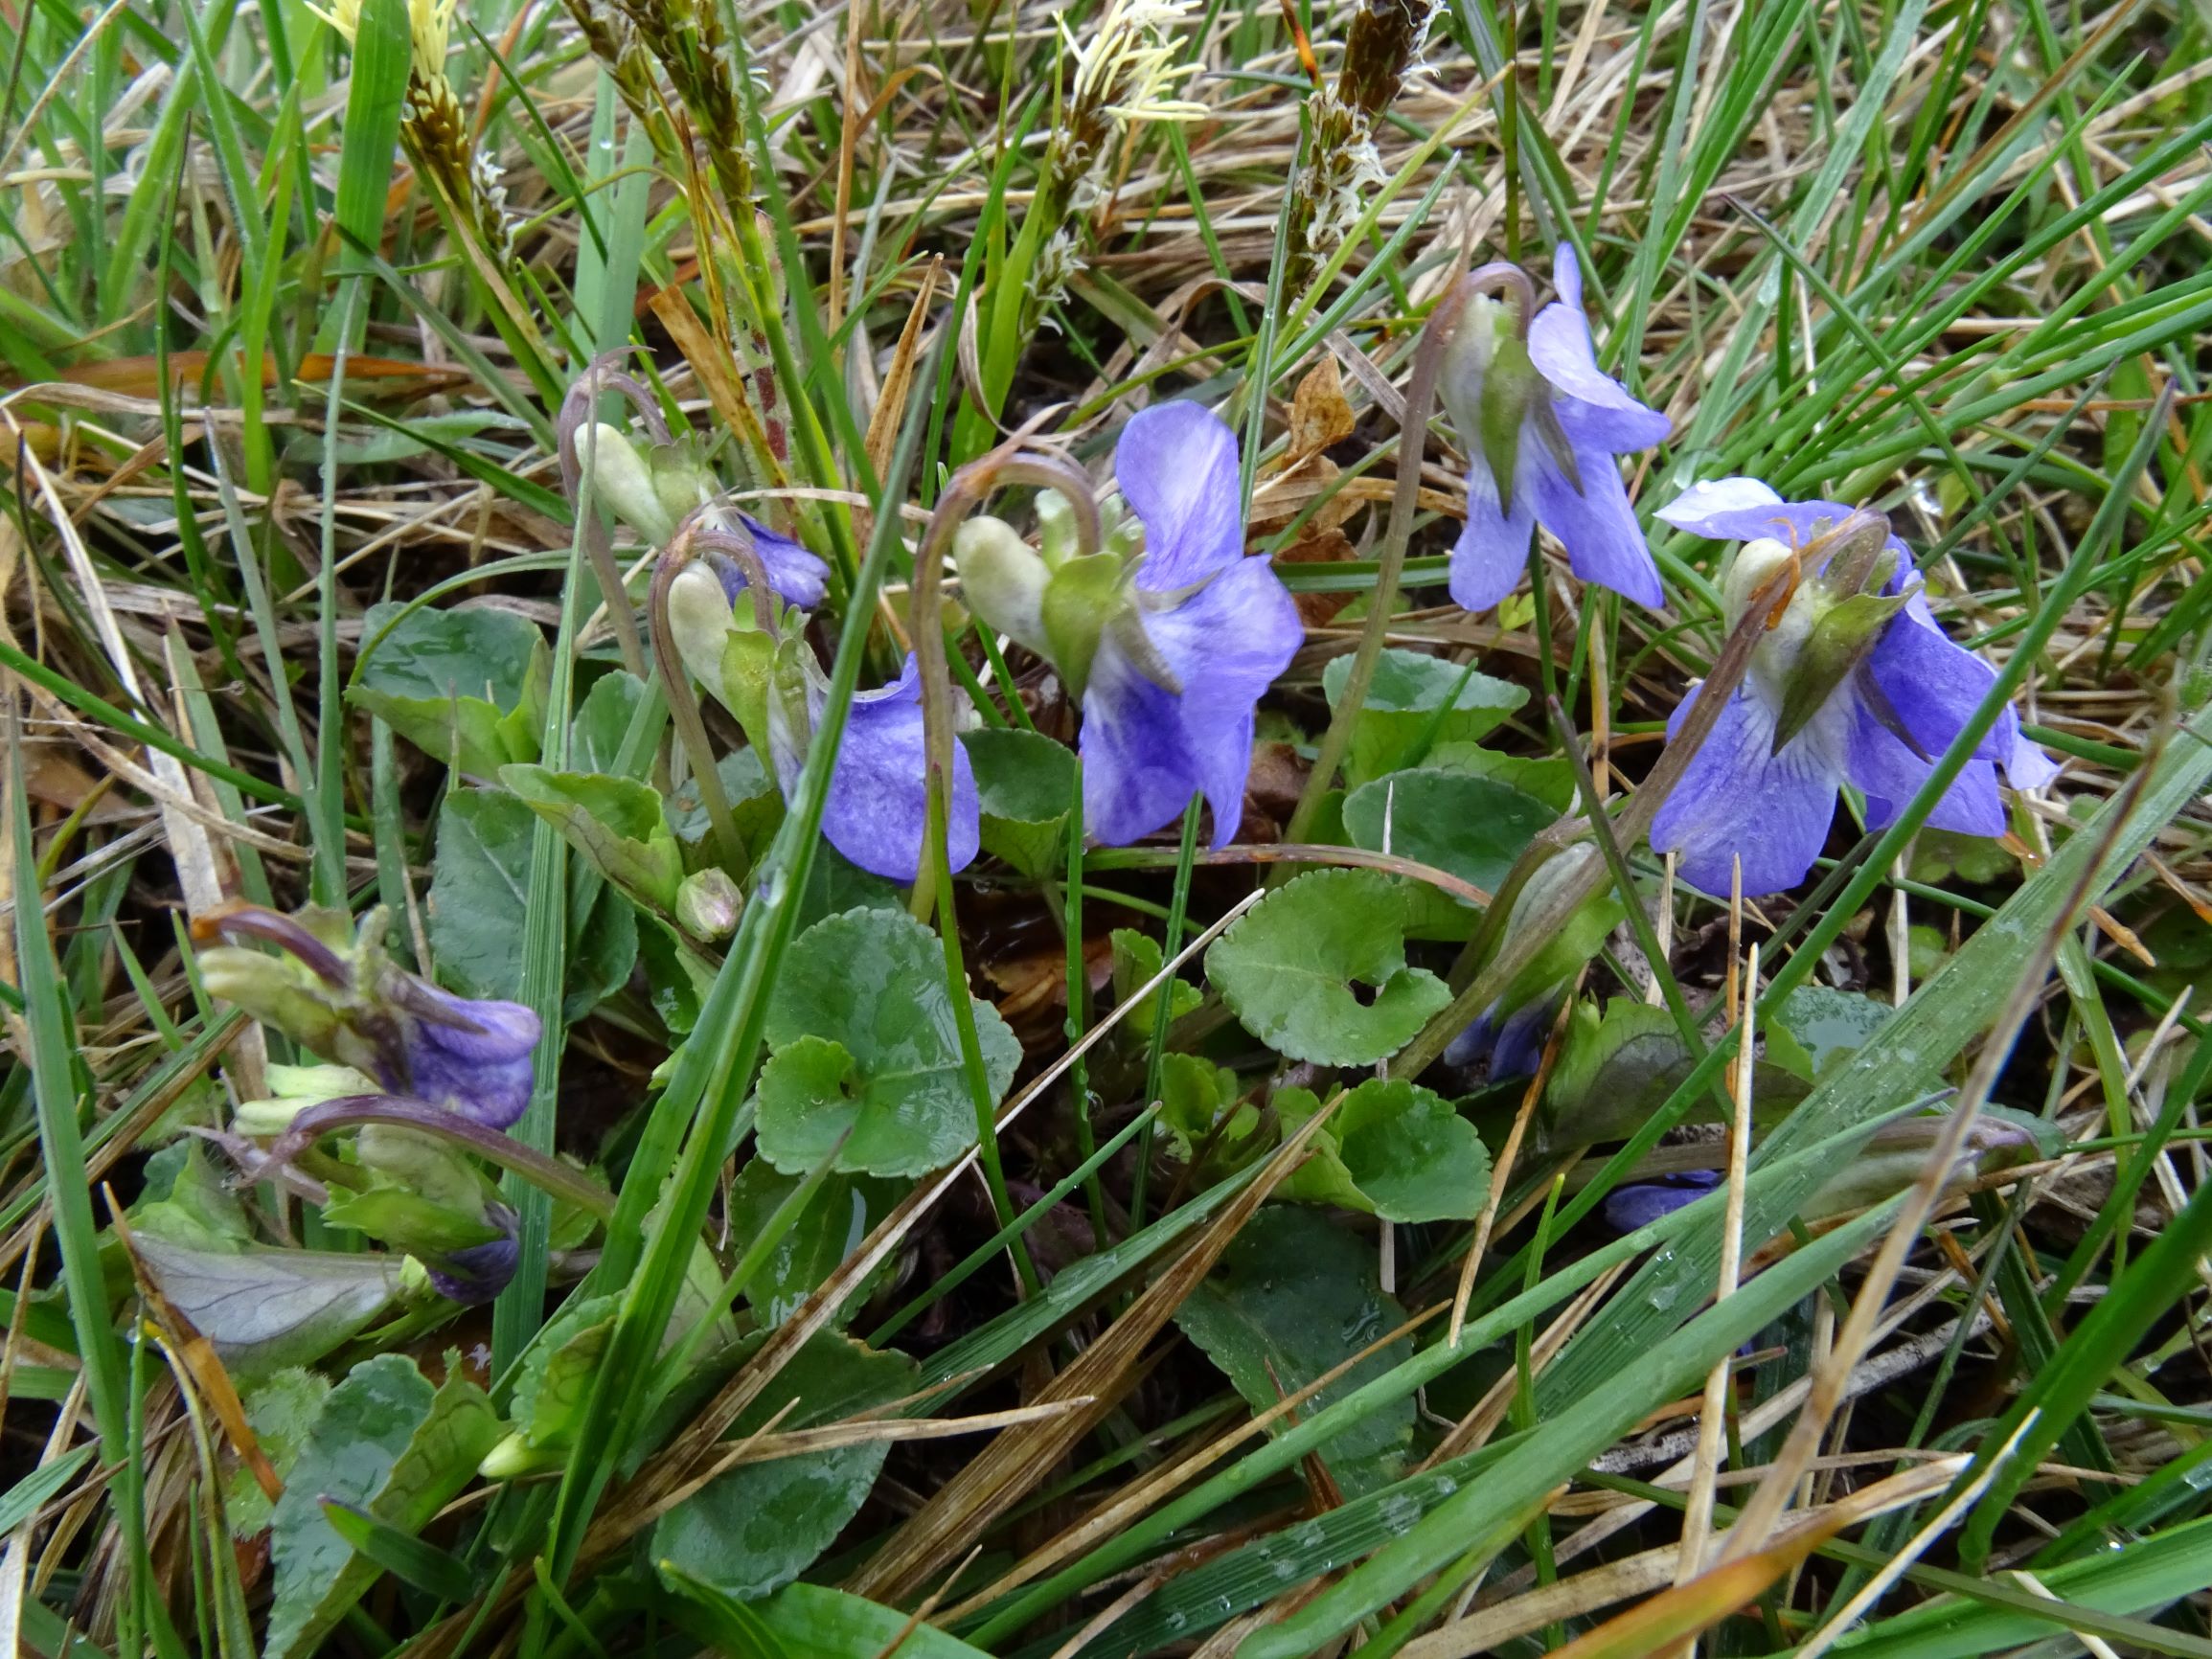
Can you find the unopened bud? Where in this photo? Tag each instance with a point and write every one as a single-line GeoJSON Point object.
{"type": "Point", "coordinates": [514, 1456]}
{"type": "Point", "coordinates": [708, 904]}
{"type": "Point", "coordinates": [1003, 580]}
{"type": "Point", "coordinates": [699, 619]}
{"type": "Point", "coordinates": [623, 480]}
{"type": "Point", "coordinates": [293, 1090]}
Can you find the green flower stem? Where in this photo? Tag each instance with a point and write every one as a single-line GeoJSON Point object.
{"type": "Point", "coordinates": [1079, 1014]}
{"type": "Point", "coordinates": [937, 873]}
{"type": "Point", "coordinates": [968, 489]}
{"type": "Point", "coordinates": [1412, 439]}
{"type": "Point", "coordinates": [599, 377]}
{"type": "Point", "coordinates": [1177, 906]}
{"type": "Point", "coordinates": [351, 1111]}
{"type": "Point", "coordinates": [1507, 956]}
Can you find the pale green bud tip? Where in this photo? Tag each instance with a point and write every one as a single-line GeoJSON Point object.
{"type": "Point", "coordinates": [1003, 580]}
{"type": "Point", "coordinates": [699, 620]}
{"type": "Point", "coordinates": [516, 1456]}
{"type": "Point", "coordinates": [708, 904]}
{"type": "Point", "coordinates": [682, 482]}
{"type": "Point", "coordinates": [624, 483]}
{"type": "Point", "coordinates": [293, 1090]}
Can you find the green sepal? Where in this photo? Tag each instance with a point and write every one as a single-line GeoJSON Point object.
{"type": "Point", "coordinates": [1843, 637]}
{"type": "Point", "coordinates": [1079, 602]}
{"type": "Point", "coordinates": [1510, 386]}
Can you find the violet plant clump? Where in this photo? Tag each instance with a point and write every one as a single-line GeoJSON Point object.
{"type": "Point", "coordinates": [1853, 682]}
{"type": "Point", "coordinates": [335, 991]}
{"type": "Point", "coordinates": [1542, 424]}
{"type": "Point", "coordinates": [1167, 644]}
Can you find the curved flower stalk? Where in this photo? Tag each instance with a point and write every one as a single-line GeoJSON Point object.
{"type": "Point", "coordinates": [655, 487]}
{"type": "Point", "coordinates": [334, 991]}
{"type": "Point", "coordinates": [1853, 682]}
{"type": "Point", "coordinates": [1540, 423]}
{"type": "Point", "coordinates": [730, 635]}
{"type": "Point", "coordinates": [1167, 651]}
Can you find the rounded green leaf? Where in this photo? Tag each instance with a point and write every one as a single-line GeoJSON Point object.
{"type": "Point", "coordinates": [1412, 1156]}
{"type": "Point", "coordinates": [1473, 828]}
{"type": "Point", "coordinates": [1292, 1297]}
{"type": "Point", "coordinates": [1025, 784]}
{"type": "Point", "coordinates": [866, 1047]}
{"type": "Point", "coordinates": [1414, 702]}
{"type": "Point", "coordinates": [1317, 970]}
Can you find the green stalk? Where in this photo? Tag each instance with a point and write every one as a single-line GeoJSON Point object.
{"type": "Point", "coordinates": [1178, 903]}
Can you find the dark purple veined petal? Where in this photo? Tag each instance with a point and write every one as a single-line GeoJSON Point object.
{"type": "Point", "coordinates": [796, 575]}
{"type": "Point", "coordinates": [877, 810]}
{"type": "Point", "coordinates": [1738, 798]}
{"type": "Point", "coordinates": [1640, 1203]}
{"type": "Point", "coordinates": [1492, 551]}
{"type": "Point", "coordinates": [472, 1058]}
{"type": "Point", "coordinates": [1597, 411]}
{"type": "Point", "coordinates": [1178, 467]}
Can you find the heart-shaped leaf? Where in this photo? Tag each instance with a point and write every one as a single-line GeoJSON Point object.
{"type": "Point", "coordinates": [865, 1048]}
{"type": "Point", "coordinates": [760, 1525]}
{"type": "Point", "coordinates": [477, 898]}
{"type": "Point", "coordinates": [1293, 1297]}
{"type": "Point", "coordinates": [1317, 969]}
{"type": "Point", "coordinates": [1472, 828]}
{"type": "Point", "coordinates": [617, 823]}
{"type": "Point", "coordinates": [466, 686]}
{"type": "Point", "coordinates": [1414, 702]}
{"type": "Point", "coordinates": [1026, 785]}
{"type": "Point", "coordinates": [1392, 1148]}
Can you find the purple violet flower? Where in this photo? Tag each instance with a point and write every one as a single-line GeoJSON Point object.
{"type": "Point", "coordinates": [336, 992]}
{"type": "Point", "coordinates": [1540, 423]}
{"type": "Point", "coordinates": [878, 809]}
{"type": "Point", "coordinates": [470, 1057]}
{"type": "Point", "coordinates": [477, 1273]}
{"type": "Point", "coordinates": [1512, 1043]}
{"type": "Point", "coordinates": [1881, 728]}
{"type": "Point", "coordinates": [1168, 705]}
{"type": "Point", "coordinates": [1640, 1203]}
{"type": "Point", "coordinates": [798, 576]}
